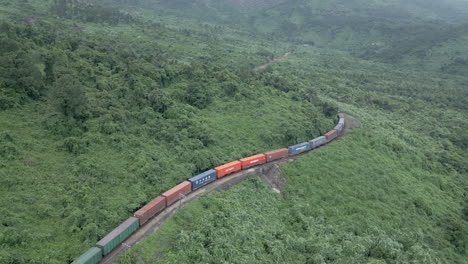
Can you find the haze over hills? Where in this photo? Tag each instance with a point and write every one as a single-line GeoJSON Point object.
{"type": "Point", "coordinates": [450, 10]}
{"type": "Point", "coordinates": [427, 34]}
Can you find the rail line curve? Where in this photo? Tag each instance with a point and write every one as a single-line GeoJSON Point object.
{"type": "Point", "coordinates": [136, 229]}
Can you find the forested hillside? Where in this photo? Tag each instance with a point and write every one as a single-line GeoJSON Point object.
{"type": "Point", "coordinates": [428, 34]}
{"type": "Point", "coordinates": [105, 105]}
{"type": "Point", "coordinates": [99, 114]}
{"type": "Point", "coordinates": [392, 191]}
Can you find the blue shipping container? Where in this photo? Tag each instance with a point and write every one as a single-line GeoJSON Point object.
{"type": "Point", "coordinates": [299, 148]}
{"type": "Point", "coordinates": [202, 179]}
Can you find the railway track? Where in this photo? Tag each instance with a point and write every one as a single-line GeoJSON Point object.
{"type": "Point", "coordinates": [221, 184]}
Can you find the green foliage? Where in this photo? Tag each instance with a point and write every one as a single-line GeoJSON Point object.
{"type": "Point", "coordinates": [68, 96]}
{"type": "Point", "coordinates": [390, 192]}
{"type": "Point", "coordinates": [75, 145]}
{"type": "Point", "coordinates": [19, 78]}
{"type": "Point", "coordinates": [353, 201]}
{"type": "Point", "coordinates": [101, 112]}
{"type": "Point", "coordinates": [8, 148]}
{"type": "Point", "coordinates": [420, 33]}
{"type": "Point", "coordinates": [89, 11]}
{"type": "Point", "coordinates": [96, 125]}
{"type": "Point", "coordinates": [199, 95]}
{"type": "Point", "coordinates": [230, 89]}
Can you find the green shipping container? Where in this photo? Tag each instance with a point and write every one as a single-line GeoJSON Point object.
{"type": "Point", "coordinates": [118, 235]}
{"type": "Point", "coordinates": [92, 256]}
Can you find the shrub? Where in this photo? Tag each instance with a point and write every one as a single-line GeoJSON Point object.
{"type": "Point", "coordinates": [69, 97]}
{"type": "Point", "coordinates": [199, 95]}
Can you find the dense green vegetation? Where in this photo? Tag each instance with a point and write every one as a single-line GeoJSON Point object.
{"type": "Point", "coordinates": [103, 107]}
{"type": "Point", "coordinates": [98, 119]}
{"type": "Point", "coordinates": [417, 33]}
{"type": "Point", "coordinates": [393, 191]}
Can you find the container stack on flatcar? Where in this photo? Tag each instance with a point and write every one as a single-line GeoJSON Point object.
{"type": "Point", "coordinates": [92, 256]}
{"type": "Point", "coordinates": [203, 179]}
{"type": "Point", "coordinates": [341, 122]}
{"type": "Point", "coordinates": [317, 142]}
{"type": "Point", "coordinates": [276, 154]}
{"type": "Point", "coordinates": [154, 207]}
{"type": "Point", "coordinates": [175, 193]}
{"type": "Point", "coordinates": [330, 135]}
{"type": "Point", "coordinates": [299, 148]}
{"type": "Point", "coordinates": [118, 235]}
{"type": "Point", "coordinates": [339, 128]}
{"type": "Point", "coordinates": [150, 209]}
{"type": "Point", "coordinates": [253, 161]}
{"type": "Point", "coordinates": [228, 168]}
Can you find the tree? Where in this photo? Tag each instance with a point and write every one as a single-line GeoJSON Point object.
{"type": "Point", "coordinates": [49, 69]}
{"type": "Point", "coordinates": [198, 95]}
{"type": "Point", "coordinates": [20, 76]}
{"type": "Point", "coordinates": [68, 96]}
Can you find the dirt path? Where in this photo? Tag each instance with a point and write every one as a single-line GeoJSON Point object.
{"type": "Point", "coordinates": [261, 67]}
{"type": "Point", "coordinates": [269, 172]}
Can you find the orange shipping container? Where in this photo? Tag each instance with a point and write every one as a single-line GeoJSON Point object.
{"type": "Point", "coordinates": [174, 194]}
{"type": "Point", "coordinates": [276, 154]}
{"type": "Point", "coordinates": [150, 209]}
{"type": "Point", "coordinates": [253, 160]}
{"type": "Point", "coordinates": [228, 168]}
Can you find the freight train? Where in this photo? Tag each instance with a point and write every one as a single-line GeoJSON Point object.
{"type": "Point", "coordinates": [123, 231]}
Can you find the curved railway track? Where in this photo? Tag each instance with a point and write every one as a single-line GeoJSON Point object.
{"type": "Point", "coordinates": [223, 183]}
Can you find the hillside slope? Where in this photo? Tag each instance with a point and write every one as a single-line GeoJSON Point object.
{"type": "Point", "coordinates": [392, 191]}
{"type": "Point", "coordinates": [428, 34]}
{"type": "Point", "coordinates": [99, 114]}
{"type": "Point", "coordinates": [102, 109]}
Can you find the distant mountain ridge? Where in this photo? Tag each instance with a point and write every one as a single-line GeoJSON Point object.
{"type": "Point", "coordinates": [451, 10]}
{"type": "Point", "coordinates": [249, 6]}
{"type": "Point", "coordinates": [391, 31]}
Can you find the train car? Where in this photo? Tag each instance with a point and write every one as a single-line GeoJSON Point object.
{"type": "Point", "coordinates": [228, 168]}
{"type": "Point", "coordinates": [339, 128]}
{"type": "Point", "coordinates": [150, 209]}
{"type": "Point", "coordinates": [299, 148]}
{"type": "Point", "coordinates": [330, 135]}
{"type": "Point", "coordinates": [176, 192]}
{"type": "Point", "coordinates": [253, 161]}
{"type": "Point", "coordinates": [342, 122]}
{"type": "Point", "coordinates": [276, 154]}
{"type": "Point", "coordinates": [317, 142]}
{"type": "Point", "coordinates": [92, 256]}
{"type": "Point", "coordinates": [202, 179]}
{"type": "Point", "coordinates": [118, 235]}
